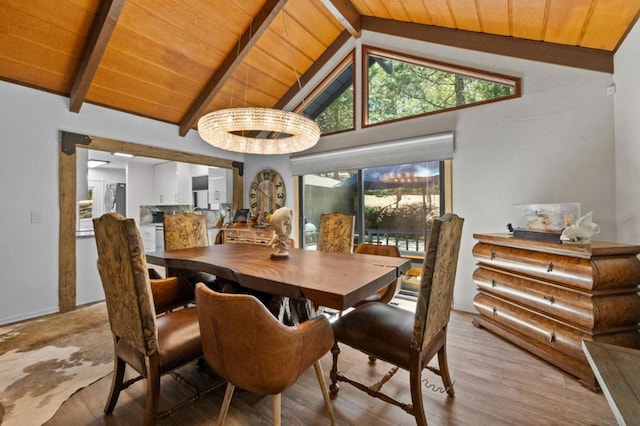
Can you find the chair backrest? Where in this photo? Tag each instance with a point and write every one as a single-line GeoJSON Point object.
{"type": "Point", "coordinates": [385, 294]}
{"type": "Point", "coordinates": [378, 249]}
{"type": "Point", "coordinates": [185, 230]}
{"type": "Point", "coordinates": [125, 279]}
{"type": "Point", "coordinates": [248, 347]}
{"type": "Point", "coordinates": [335, 233]}
{"type": "Point", "coordinates": [435, 295]}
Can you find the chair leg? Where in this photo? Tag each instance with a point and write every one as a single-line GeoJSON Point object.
{"type": "Point", "coordinates": [116, 383]}
{"type": "Point", "coordinates": [277, 406]}
{"type": "Point", "coordinates": [415, 381]}
{"type": "Point", "coordinates": [335, 387]}
{"type": "Point", "coordinates": [325, 392]}
{"type": "Point", "coordinates": [153, 389]}
{"type": "Point", "coordinates": [228, 394]}
{"type": "Point", "coordinates": [443, 364]}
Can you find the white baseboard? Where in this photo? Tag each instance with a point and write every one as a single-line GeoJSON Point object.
{"type": "Point", "coordinates": [31, 315]}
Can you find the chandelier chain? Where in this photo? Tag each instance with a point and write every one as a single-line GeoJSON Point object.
{"type": "Point", "coordinates": [233, 84]}
{"type": "Point", "coordinates": [293, 66]}
{"type": "Point", "coordinates": [246, 80]}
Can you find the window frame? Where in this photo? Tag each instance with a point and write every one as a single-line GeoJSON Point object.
{"type": "Point", "coordinates": [442, 66]}
{"type": "Point", "coordinates": [446, 194]}
{"type": "Point", "coordinates": [349, 59]}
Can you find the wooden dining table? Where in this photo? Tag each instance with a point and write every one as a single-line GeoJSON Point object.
{"type": "Point", "coordinates": [334, 280]}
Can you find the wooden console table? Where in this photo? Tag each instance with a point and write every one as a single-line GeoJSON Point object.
{"type": "Point", "coordinates": [547, 297]}
{"type": "Point", "coordinates": [617, 371]}
{"type": "Point", "coordinates": [260, 236]}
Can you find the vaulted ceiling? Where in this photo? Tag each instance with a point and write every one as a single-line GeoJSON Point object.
{"type": "Point", "coordinates": [174, 60]}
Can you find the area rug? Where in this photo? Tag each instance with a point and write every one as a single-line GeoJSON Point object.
{"type": "Point", "coordinates": [44, 361]}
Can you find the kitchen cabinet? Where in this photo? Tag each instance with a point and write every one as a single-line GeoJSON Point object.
{"type": "Point", "coordinates": [172, 183]}
{"type": "Point", "coordinates": [548, 297]}
{"type": "Point", "coordinates": [148, 234]}
{"type": "Point", "coordinates": [220, 187]}
{"type": "Point", "coordinates": [159, 237]}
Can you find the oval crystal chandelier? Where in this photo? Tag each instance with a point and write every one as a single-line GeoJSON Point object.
{"type": "Point", "coordinates": [233, 129]}
{"type": "Point", "coordinates": [220, 129]}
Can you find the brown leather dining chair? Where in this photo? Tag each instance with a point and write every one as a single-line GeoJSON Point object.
{"type": "Point", "coordinates": [150, 344]}
{"type": "Point", "coordinates": [335, 232]}
{"type": "Point", "coordinates": [188, 230]}
{"type": "Point", "coordinates": [385, 294]}
{"type": "Point", "coordinates": [250, 349]}
{"type": "Point", "coordinates": [399, 337]}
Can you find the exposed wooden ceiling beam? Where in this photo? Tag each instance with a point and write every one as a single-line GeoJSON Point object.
{"type": "Point", "coordinates": [102, 28]}
{"type": "Point", "coordinates": [347, 14]}
{"type": "Point", "coordinates": [259, 25]}
{"type": "Point", "coordinates": [559, 54]}
{"type": "Point", "coordinates": [314, 69]}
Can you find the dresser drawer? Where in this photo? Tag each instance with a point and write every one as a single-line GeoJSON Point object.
{"type": "Point", "coordinates": [231, 233]}
{"type": "Point", "coordinates": [599, 274]}
{"type": "Point", "coordinates": [544, 331]}
{"type": "Point", "coordinates": [263, 234]}
{"type": "Point", "coordinates": [248, 235]}
{"type": "Point", "coordinates": [562, 304]}
{"type": "Point", "coordinates": [597, 313]}
{"type": "Point", "coordinates": [547, 332]}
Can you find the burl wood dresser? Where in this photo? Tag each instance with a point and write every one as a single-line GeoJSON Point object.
{"type": "Point", "coordinates": [548, 297]}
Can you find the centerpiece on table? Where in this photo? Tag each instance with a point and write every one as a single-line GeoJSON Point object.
{"type": "Point", "coordinates": [281, 221]}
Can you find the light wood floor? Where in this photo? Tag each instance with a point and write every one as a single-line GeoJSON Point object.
{"type": "Point", "coordinates": [496, 383]}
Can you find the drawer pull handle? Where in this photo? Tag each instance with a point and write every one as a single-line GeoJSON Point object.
{"type": "Point", "coordinates": [552, 337]}
{"type": "Point", "coordinates": [493, 283]}
{"type": "Point", "coordinates": [495, 311]}
{"type": "Point", "coordinates": [550, 267]}
{"type": "Point", "coordinates": [493, 255]}
{"type": "Point", "coordinates": [551, 299]}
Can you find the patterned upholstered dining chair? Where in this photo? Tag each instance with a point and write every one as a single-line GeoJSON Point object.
{"type": "Point", "coordinates": [250, 349]}
{"type": "Point", "coordinates": [335, 232]}
{"type": "Point", "coordinates": [151, 345]}
{"type": "Point", "coordinates": [188, 230]}
{"type": "Point", "coordinates": [185, 230]}
{"type": "Point", "coordinates": [399, 337]}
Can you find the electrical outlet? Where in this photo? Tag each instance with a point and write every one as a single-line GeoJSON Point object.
{"type": "Point", "coordinates": [36, 216]}
{"type": "Point", "coordinates": [611, 89]}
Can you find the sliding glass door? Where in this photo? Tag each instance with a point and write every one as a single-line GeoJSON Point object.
{"type": "Point", "coordinates": [393, 205]}
{"type": "Point", "coordinates": [325, 193]}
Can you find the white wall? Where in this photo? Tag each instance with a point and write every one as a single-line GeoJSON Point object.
{"type": "Point", "coordinates": [107, 175]}
{"type": "Point", "coordinates": [554, 144]}
{"type": "Point", "coordinates": [627, 137]}
{"type": "Point", "coordinates": [30, 122]}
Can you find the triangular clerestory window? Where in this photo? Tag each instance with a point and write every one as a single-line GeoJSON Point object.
{"type": "Point", "coordinates": [331, 104]}
{"type": "Point", "coordinates": [400, 86]}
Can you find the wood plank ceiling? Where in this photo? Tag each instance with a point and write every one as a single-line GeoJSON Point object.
{"type": "Point", "coordinates": [174, 60]}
